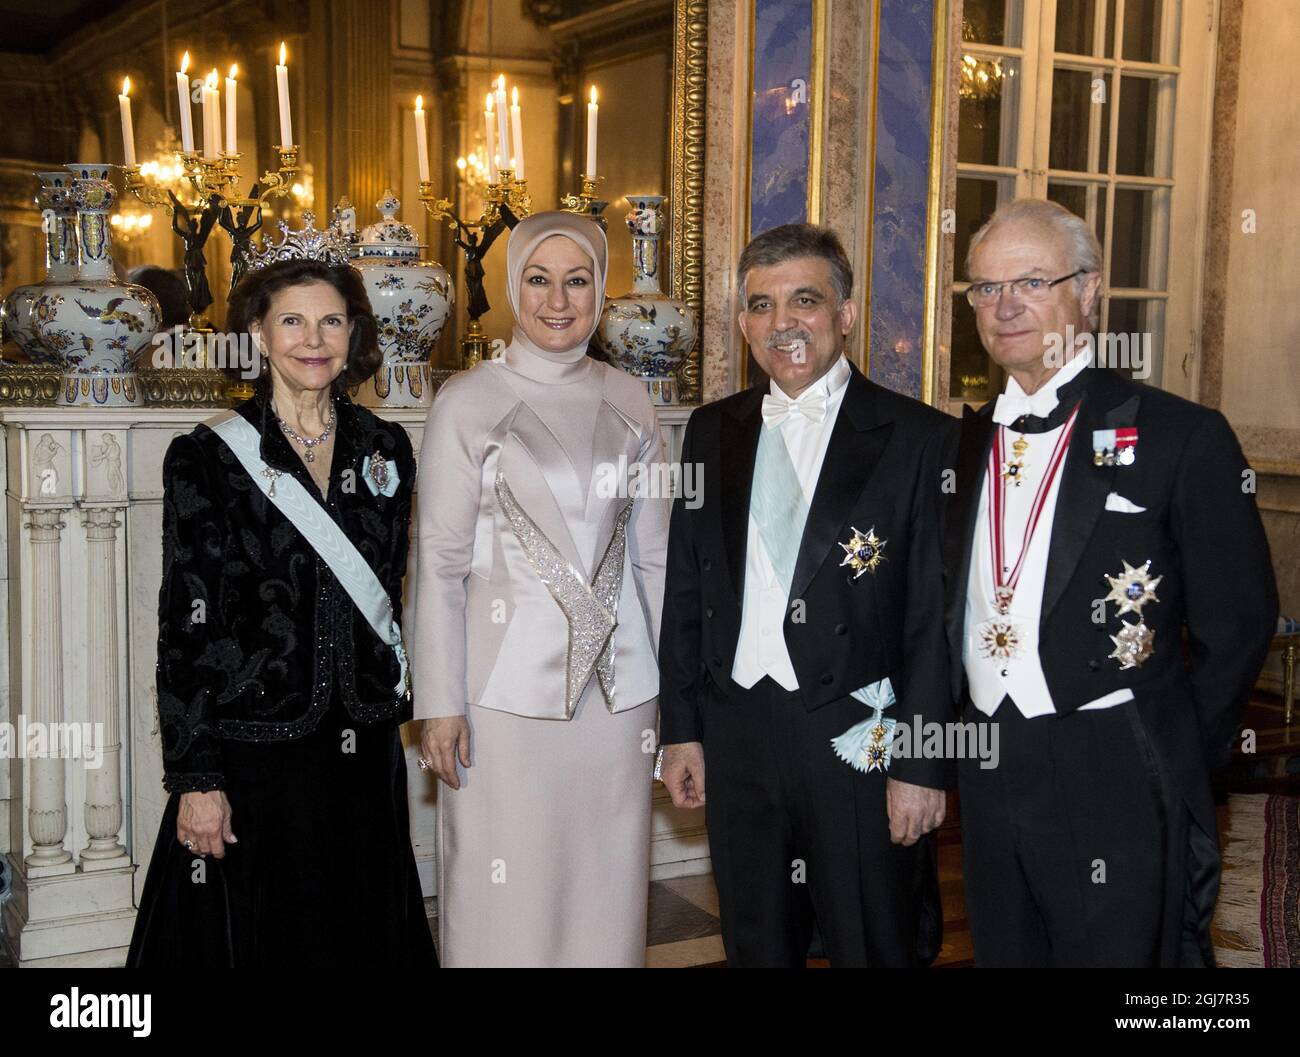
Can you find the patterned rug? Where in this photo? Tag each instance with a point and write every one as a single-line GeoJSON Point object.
{"type": "Point", "coordinates": [1257, 923]}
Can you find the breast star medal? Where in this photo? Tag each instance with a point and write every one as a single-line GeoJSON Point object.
{"type": "Point", "coordinates": [999, 639]}
{"type": "Point", "coordinates": [863, 554]}
{"type": "Point", "coordinates": [1013, 469]}
{"type": "Point", "coordinates": [1132, 644]}
{"type": "Point", "coordinates": [1133, 588]}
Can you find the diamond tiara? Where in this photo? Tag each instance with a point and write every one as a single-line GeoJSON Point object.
{"type": "Point", "coordinates": [307, 243]}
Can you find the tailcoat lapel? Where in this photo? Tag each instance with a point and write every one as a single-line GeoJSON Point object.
{"type": "Point", "coordinates": [856, 442]}
{"type": "Point", "coordinates": [739, 442]}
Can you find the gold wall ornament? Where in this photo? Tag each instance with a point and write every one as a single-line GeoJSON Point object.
{"type": "Point", "coordinates": [686, 246]}
{"type": "Point", "coordinates": [29, 385]}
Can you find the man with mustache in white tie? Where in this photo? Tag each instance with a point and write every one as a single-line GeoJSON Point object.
{"type": "Point", "coordinates": [1095, 521]}
{"type": "Point", "coordinates": [803, 617]}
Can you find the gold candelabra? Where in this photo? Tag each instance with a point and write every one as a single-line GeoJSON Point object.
{"type": "Point", "coordinates": [220, 177]}
{"type": "Point", "coordinates": [474, 238]}
{"type": "Point", "coordinates": [507, 191]}
{"type": "Point", "coordinates": [584, 199]}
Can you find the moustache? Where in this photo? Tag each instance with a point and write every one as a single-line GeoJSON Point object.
{"type": "Point", "coordinates": [789, 337]}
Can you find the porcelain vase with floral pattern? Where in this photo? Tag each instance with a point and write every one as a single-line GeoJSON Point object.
{"type": "Point", "coordinates": [411, 299]}
{"type": "Point", "coordinates": [645, 331]}
{"type": "Point", "coordinates": [59, 229]}
{"type": "Point", "coordinates": [95, 323]}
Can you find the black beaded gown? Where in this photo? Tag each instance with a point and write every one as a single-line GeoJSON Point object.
{"type": "Point", "coordinates": [283, 698]}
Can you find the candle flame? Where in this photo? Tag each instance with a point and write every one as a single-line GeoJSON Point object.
{"type": "Point", "coordinates": [283, 53]}
{"type": "Point", "coordinates": [501, 84]}
{"type": "Point", "coordinates": [419, 103]}
{"type": "Point", "coordinates": [185, 62]}
{"type": "Point", "coordinates": [234, 70]}
{"type": "Point", "coordinates": [514, 96]}
{"type": "Point", "coordinates": [593, 95]}
{"type": "Point", "coordinates": [126, 86]}
{"type": "Point", "coordinates": [212, 78]}
{"type": "Point", "coordinates": [489, 102]}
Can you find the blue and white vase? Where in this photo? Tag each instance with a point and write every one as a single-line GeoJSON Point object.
{"type": "Point", "coordinates": [645, 331]}
{"type": "Point", "coordinates": [411, 299]}
{"type": "Point", "coordinates": [95, 324]}
{"type": "Point", "coordinates": [59, 227]}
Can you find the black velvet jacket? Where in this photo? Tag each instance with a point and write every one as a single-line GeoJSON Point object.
{"type": "Point", "coordinates": [254, 632]}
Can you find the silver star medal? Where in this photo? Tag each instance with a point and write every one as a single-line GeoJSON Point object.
{"type": "Point", "coordinates": [863, 553]}
{"type": "Point", "coordinates": [1133, 588]}
{"type": "Point", "coordinates": [1132, 644]}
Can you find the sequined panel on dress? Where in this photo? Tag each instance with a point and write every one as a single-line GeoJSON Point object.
{"type": "Point", "coordinates": [591, 610]}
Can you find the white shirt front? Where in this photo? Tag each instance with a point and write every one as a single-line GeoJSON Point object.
{"type": "Point", "coordinates": [1021, 676]}
{"type": "Point", "coordinates": [761, 649]}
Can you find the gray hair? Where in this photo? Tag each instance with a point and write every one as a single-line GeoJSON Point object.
{"type": "Point", "coordinates": [1081, 244]}
{"type": "Point", "coordinates": [791, 241]}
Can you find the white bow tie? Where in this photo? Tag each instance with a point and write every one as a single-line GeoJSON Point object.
{"type": "Point", "coordinates": [776, 409]}
{"type": "Point", "coordinates": [1011, 406]}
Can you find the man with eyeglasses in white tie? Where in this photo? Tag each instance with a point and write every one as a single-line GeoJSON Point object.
{"type": "Point", "coordinates": [1095, 521]}
{"type": "Point", "coordinates": [803, 618]}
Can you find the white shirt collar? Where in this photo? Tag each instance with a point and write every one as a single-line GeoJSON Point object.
{"type": "Point", "coordinates": [827, 385]}
{"type": "Point", "coordinates": [1070, 370]}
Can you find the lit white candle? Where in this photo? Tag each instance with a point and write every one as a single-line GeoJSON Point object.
{"type": "Point", "coordinates": [183, 92]}
{"type": "Point", "coordinates": [211, 118]}
{"type": "Point", "coordinates": [489, 118]}
{"type": "Point", "coordinates": [592, 110]}
{"type": "Point", "coordinates": [282, 87]}
{"type": "Point", "coordinates": [503, 132]}
{"type": "Point", "coordinates": [232, 137]}
{"type": "Point", "coordinates": [128, 130]}
{"type": "Point", "coordinates": [517, 133]}
{"type": "Point", "coordinates": [421, 140]}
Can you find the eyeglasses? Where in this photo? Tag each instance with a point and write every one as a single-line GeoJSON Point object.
{"type": "Point", "coordinates": [981, 295]}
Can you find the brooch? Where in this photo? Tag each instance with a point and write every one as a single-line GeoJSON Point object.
{"type": "Point", "coordinates": [379, 474]}
{"type": "Point", "coordinates": [1114, 446]}
{"type": "Point", "coordinates": [862, 553]}
{"type": "Point", "coordinates": [1133, 589]}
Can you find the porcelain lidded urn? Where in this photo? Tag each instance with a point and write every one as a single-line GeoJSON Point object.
{"type": "Point", "coordinates": [645, 331]}
{"type": "Point", "coordinates": [95, 324]}
{"type": "Point", "coordinates": [59, 229]}
{"type": "Point", "coordinates": [411, 299]}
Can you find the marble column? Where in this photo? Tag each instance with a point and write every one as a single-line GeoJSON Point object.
{"type": "Point", "coordinates": [47, 815]}
{"type": "Point", "coordinates": [103, 807]}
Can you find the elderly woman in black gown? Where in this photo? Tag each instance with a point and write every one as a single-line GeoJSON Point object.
{"type": "Point", "coordinates": [279, 705]}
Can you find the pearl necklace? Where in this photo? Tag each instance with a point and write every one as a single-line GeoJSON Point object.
{"type": "Point", "coordinates": [309, 442]}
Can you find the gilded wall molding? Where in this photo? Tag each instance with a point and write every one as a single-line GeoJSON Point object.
{"type": "Point", "coordinates": [686, 197]}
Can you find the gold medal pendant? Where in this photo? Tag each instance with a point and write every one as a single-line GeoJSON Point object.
{"type": "Point", "coordinates": [999, 639]}
{"type": "Point", "coordinates": [875, 755]}
{"type": "Point", "coordinates": [1013, 469]}
{"type": "Point", "coordinates": [1133, 644]}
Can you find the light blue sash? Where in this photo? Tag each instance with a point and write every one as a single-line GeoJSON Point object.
{"type": "Point", "coordinates": [323, 533]}
{"type": "Point", "coordinates": [777, 505]}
